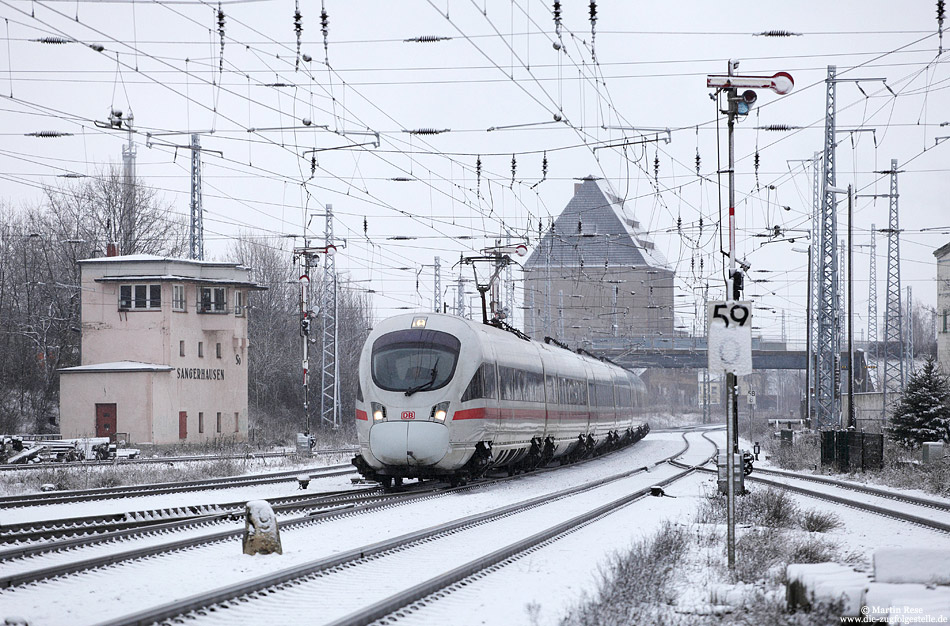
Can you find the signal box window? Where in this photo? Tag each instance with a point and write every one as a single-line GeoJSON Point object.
{"type": "Point", "coordinates": [219, 421]}
{"type": "Point", "coordinates": [201, 422]}
{"type": "Point", "coordinates": [140, 297]}
{"type": "Point", "coordinates": [213, 300]}
{"type": "Point", "coordinates": [178, 297]}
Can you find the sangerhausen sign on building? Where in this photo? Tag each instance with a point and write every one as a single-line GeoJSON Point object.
{"type": "Point", "coordinates": [199, 373]}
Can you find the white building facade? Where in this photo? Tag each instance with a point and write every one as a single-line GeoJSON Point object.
{"type": "Point", "coordinates": [164, 351]}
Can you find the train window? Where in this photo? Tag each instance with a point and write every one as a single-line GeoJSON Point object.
{"type": "Point", "coordinates": [482, 384]}
{"type": "Point", "coordinates": [508, 383]}
{"type": "Point", "coordinates": [414, 360]}
{"type": "Point", "coordinates": [550, 389]}
{"type": "Point", "coordinates": [489, 380]}
{"type": "Point", "coordinates": [534, 387]}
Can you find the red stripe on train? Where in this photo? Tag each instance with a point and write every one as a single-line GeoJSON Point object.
{"type": "Point", "coordinates": [361, 415]}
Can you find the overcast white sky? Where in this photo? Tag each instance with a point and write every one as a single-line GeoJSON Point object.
{"type": "Point", "coordinates": [162, 61]}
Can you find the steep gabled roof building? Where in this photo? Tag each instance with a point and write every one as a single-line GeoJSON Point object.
{"type": "Point", "coordinates": [596, 274]}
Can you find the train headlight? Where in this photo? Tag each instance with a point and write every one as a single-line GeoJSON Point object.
{"type": "Point", "coordinates": [379, 411]}
{"type": "Point", "coordinates": [439, 411]}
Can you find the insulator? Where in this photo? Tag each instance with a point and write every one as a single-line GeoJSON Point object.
{"type": "Point", "coordinates": [778, 127]}
{"type": "Point", "coordinates": [478, 172]}
{"type": "Point", "coordinates": [692, 264]}
{"type": "Point", "coordinates": [427, 39]}
{"type": "Point", "coordinates": [52, 40]}
{"type": "Point", "coordinates": [48, 134]}
{"type": "Point", "coordinates": [313, 165]}
{"type": "Point", "coordinates": [544, 166]}
{"type": "Point", "coordinates": [325, 29]}
{"type": "Point", "coordinates": [557, 17]}
{"type": "Point", "coordinates": [97, 47]}
{"type": "Point", "coordinates": [755, 162]}
{"type": "Point", "coordinates": [700, 225]}
{"type": "Point", "coordinates": [401, 179]}
{"type": "Point", "coordinates": [298, 29]}
{"type": "Point", "coordinates": [365, 227]}
{"type": "Point", "coordinates": [580, 226]}
{"type": "Point", "coordinates": [777, 33]}
{"type": "Point", "coordinates": [679, 224]}
{"type": "Point", "coordinates": [656, 166]}
{"type": "Point", "coordinates": [593, 33]}
{"type": "Point", "coordinates": [701, 264]}
{"type": "Point", "coordinates": [698, 160]}
{"type": "Point", "coordinates": [514, 168]}
{"type": "Point", "coordinates": [221, 35]}
{"type": "Point", "coordinates": [428, 131]}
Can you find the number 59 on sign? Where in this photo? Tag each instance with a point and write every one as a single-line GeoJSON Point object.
{"type": "Point", "coordinates": [730, 337]}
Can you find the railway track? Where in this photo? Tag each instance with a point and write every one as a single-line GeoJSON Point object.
{"type": "Point", "coordinates": [921, 511]}
{"type": "Point", "coordinates": [407, 558]}
{"type": "Point", "coordinates": [43, 538]}
{"type": "Point", "coordinates": [169, 459]}
{"type": "Point", "coordinates": [132, 491]}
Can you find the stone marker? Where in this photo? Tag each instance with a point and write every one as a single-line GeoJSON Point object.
{"type": "Point", "coordinates": [261, 535]}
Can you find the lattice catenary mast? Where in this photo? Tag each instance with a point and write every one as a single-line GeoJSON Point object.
{"type": "Point", "coordinates": [827, 397]}
{"type": "Point", "coordinates": [197, 231]}
{"type": "Point", "coordinates": [329, 372]}
{"type": "Point", "coordinates": [893, 324]}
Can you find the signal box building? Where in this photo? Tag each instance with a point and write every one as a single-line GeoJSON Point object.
{"type": "Point", "coordinates": [164, 351]}
{"type": "Point", "coordinates": [596, 275]}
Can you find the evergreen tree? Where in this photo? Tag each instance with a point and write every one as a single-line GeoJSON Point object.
{"type": "Point", "coordinates": [923, 413]}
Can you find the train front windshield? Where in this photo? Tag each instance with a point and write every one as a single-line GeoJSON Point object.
{"type": "Point", "coordinates": [414, 360]}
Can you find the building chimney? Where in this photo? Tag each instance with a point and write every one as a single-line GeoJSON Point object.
{"type": "Point", "coordinates": [112, 249]}
{"type": "Point", "coordinates": [577, 187]}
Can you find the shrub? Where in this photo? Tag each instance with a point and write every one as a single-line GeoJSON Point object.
{"type": "Point", "coordinates": [635, 587]}
{"type": "Point", "coordinates": [769, 507]}
{"type": "Point", "coordinates": [819, 521]}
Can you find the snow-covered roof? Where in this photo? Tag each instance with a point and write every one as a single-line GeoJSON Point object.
{"type": "Point", "coordinates": [594, 229]}
{"type": "Point", "coordinates": [117, 366]}
{"type": "Point", "coordinates": [153, 258]}
{"type": "Point", "coordinates": [942, 251]}
{"type": "Point", "coordinates": [177, 278]}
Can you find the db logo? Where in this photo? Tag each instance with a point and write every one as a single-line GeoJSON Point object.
{"type": "Point", "coordinates": [408, 415]}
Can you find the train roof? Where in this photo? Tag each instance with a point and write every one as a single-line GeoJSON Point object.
{"type": "Point", "coordinates": [500, 338]}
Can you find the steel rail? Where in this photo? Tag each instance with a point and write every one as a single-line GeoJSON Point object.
{"type": "Point", "coordinates": [132, 491]}
{"type": "Point", "coordinates": [222, 596]}
{"type": "Point", "coordinates": [170, 459]}
{"type": "Point", "coordinates": [198, 520]}
{"type": "Point", "coordinates": [110, 527]}
{"type": "Point", "coordinates": [877, 491]}
{"type": "Point", "coordinates": [873, 508]}
{"type": "Point", "coordinates": [404, 598]}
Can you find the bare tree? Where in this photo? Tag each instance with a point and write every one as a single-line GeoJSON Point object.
{"type": "Point", "coordinates": [39, 282]}
{"type": "Point", "coordinates": [274, 371]}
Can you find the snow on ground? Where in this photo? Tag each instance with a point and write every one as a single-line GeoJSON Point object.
{"type": "Point", "coordinates": [18, 515]}
{"type": "Point", "coordinates": [860, 480]}
{"type": "Point", "coordinates": [113, 591]}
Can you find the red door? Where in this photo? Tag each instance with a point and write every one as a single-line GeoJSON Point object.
{"type": "Point", "coordinates": [105, 420]}
{"type": "Point", "coordinates": [182, 424]}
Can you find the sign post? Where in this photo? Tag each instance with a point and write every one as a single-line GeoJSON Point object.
{"type": "Point", "coordinates": [736, 105]}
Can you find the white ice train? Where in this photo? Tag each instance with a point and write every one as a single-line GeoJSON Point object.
{"type": "Point", "coordinates": [445, 397]}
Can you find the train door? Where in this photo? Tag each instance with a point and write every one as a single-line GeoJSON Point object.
{"type": "Point", "coordinates": [588, 418]}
